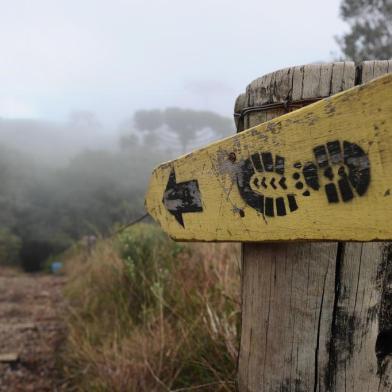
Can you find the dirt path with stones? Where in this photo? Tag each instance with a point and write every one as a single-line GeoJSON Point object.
{"type": "Point", "coordinates": [30, 330]}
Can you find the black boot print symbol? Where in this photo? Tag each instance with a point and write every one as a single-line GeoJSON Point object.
{"type": "Point", "coordinates": [307, 174]}
{"type": "Point", "coordinates": [262, 185]}
{"type": "Point", "coordinates": [342, 170]}
{"type": "Point", "coordinates": [346, 170]}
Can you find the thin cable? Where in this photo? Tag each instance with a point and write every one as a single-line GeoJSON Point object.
{"type": "Point", "coordinates": [137, 220]}
{"type": "Point", "coordinates": [287, 105]}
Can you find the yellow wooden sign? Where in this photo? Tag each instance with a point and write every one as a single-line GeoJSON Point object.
{"type": "Point", "coordinates": [323, 172]}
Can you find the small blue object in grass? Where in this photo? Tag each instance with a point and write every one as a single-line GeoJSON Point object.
{"type": "Point", "coordinates": [56, 267]}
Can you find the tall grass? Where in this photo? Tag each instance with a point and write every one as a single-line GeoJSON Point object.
{"type": "Point", "coordinates": [148, 314]}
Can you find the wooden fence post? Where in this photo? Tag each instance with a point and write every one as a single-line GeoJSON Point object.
{"type": "Point", "coordinates": [315, 316]}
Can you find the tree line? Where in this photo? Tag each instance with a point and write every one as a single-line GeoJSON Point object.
{"type": "Point", "coordinates": [44, 209]}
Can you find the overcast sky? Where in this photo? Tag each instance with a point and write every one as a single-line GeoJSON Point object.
{"type": "Point", "coordinates": [116, 56]}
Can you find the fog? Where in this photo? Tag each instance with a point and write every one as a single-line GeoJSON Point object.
{"type": "Point", "coordinates": [63, 181]}
{"type": "Point", "coordinates": [93, 94]}
{"type": "Point", "coordinates": [115, 57]}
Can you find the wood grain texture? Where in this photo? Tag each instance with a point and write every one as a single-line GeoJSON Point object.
{"type": "Point", "coordinates": [234, 199]}
{"type": "Point", "coordinates": [362, 318]}
{"type": "Point", "coordinates": [317, 316]}
{"type": "Point", "coordinates": [287, 306]}
{"type": "Point", "coordinates": [354, 363]}
{"type": "Point", "coordinates": [301, 283]}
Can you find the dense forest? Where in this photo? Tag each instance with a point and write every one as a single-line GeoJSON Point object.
{"type": "Point", "coordinates": [62, 182]}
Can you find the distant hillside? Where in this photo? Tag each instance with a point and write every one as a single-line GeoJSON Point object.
{"type": "Point", "coordinates": [53, 143]}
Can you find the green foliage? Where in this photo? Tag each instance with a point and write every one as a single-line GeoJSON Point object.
{"type": "Point", "coordinates": [370, 35]}
{"type": "Point", "coordinates": [149, 258]}
{"type": "Point", "coordinates": [147, 314]}
{"type": "Point", "coordinates": [49, 207]}
{"type": "Point", "coordinates": [97, 190]}
{"type": "Point", "coordinates": [10, 246]}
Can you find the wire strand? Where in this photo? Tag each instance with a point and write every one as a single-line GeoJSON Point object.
{"type": "Point", "coordinates": [137, 220]}
{"type": "Point", "coordinates": [287, 105]}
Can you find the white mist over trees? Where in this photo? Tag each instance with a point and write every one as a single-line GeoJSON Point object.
{"type": "Point", "coordinates": [63, 181]}
{"type": "Point", "coordinates": [176, 128]}
{"type": "Point", "coordinates": [54, 143]}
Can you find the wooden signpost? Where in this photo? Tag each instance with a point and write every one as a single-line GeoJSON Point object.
{"type": "Point", "coordinates": [320, 173]}
{"type": "Point", "coordinates": [316, 316]}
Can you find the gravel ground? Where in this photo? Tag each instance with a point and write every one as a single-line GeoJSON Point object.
{"type": "Point", "coordinates": [30, 329]}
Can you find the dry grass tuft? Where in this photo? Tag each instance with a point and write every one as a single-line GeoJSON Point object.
{"type": "Point", "coordinates": [148, 314]}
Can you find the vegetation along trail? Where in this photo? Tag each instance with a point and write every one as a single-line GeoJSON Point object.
{"type": "Point", "coordinates": [30, 330]}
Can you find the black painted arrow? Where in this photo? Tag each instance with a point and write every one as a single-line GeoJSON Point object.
{"type": "Point", "coordinates": [183, 197]}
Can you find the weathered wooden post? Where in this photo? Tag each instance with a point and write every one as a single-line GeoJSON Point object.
{"type": "Point", "coordinates": [316, 316]}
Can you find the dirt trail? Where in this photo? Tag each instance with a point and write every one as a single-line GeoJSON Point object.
{"type": "Point", "coordinates": [29, 327]}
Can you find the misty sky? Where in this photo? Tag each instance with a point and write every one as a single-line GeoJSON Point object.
{"type": "Point", "coordinates": [116, 56]}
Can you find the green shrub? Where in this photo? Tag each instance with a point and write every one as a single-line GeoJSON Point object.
{"type": "Point", "coordinates": [149, 314]}
{"type": "Point", "coordinates": [149, 257]}
{"type": "Point", "coordinates": [10, 246]}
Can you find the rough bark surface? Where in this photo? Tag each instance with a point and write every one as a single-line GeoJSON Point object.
{"type": "Point", "coordinates": [315, 316]}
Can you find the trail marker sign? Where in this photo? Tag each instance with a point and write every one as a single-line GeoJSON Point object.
{"type": "Point", "coordinates": [323, 172]}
